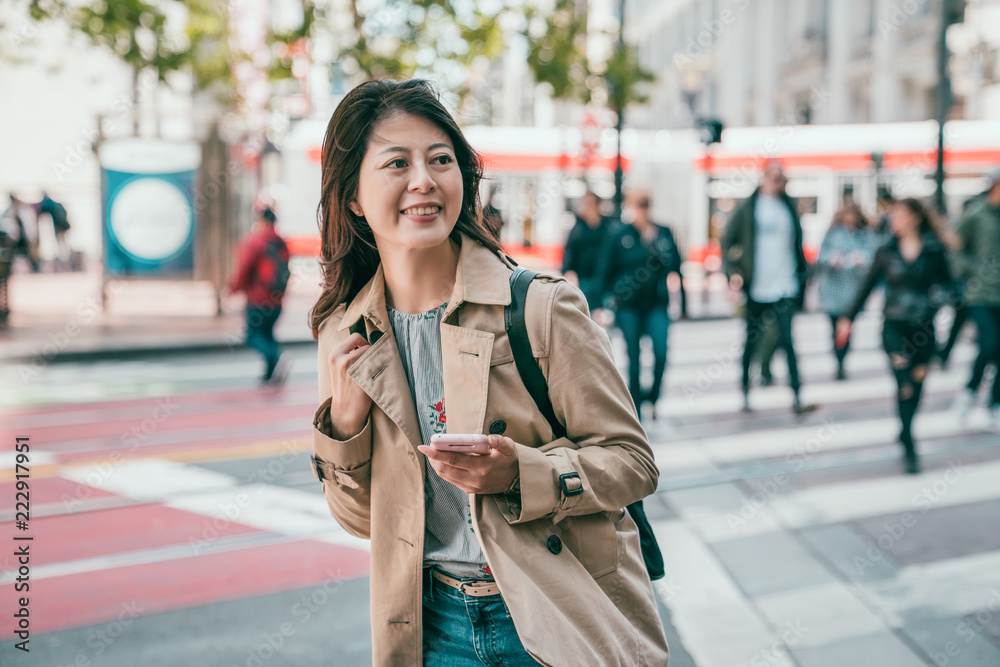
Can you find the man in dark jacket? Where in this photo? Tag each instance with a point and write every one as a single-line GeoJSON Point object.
{"type": "Point", "coordinates": [584, 246]}
{"type": "Point", "coordinates": [632, 275]}
{"type": "Point", "coordinates": [762, 244]}
{"type": "Point", "coordinates": [979, 263]}
{"type": "Point", "coordinates": [262, 273]}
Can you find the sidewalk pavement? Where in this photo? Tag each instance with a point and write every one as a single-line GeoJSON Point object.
{"type": "Point", "coordinates": [58, 316]}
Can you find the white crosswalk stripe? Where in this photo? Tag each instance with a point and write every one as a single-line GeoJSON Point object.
{"type": "Point", "coordinates": [749, 493]}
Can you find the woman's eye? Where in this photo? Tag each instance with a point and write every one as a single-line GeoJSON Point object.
{"type": "Point", "coordinates": [398, 163]}
{"type": "Point", "coordinates": [442, 159]}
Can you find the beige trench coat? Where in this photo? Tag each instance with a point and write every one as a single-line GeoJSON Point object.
{"type": "Point", "coordinates": [589, 604]}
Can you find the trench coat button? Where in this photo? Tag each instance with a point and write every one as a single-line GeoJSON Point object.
{"type": "Point", "coordinates": [554, 544]}
{"type": "Point", "coordinates": [374, 336]}
{"type": "Point", "coordinates": [498, 427]}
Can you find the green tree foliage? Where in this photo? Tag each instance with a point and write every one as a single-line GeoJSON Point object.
{"type": "Point", "coordinates": [136, 31]}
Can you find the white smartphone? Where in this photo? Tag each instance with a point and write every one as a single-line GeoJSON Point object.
{"type": "Point", "coordinates": [463, 443]}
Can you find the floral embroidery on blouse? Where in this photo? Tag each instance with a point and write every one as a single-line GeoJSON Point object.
{"type": "Point", "coordinates": [437, 417]}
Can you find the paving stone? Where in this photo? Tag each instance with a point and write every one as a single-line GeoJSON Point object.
{"type": "Point", "coordinates": [877, 650]}
{"type": "Point", "coordinates": [818, 615]}
{"type": "Point", "coordinates": [937, 533]}
{"type": "Point", "coordinates": [769, 563]}
{"type": "Point", "coordinates": [842, 546]}
{"type": "Point", "coordinates": [954, 642]}
{"type": "Point", "coordinates": [657, 508]}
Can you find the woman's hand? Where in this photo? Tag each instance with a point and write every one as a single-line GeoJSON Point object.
{"type": "Point", "coordinates": [349, 404]}
{"type": "Point", "coordinates": [843, 332]}
{"type": "Point", "coordinates": [492, 473]}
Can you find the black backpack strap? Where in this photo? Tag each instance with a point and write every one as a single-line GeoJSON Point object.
{"type": "Point", "coordinates": [517, 335]}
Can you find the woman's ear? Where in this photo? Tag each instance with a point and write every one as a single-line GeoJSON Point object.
{"type": "Point", "coordinates": [355, 209]}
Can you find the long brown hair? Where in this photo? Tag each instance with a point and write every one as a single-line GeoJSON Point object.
{"type": "Point", "coordinates": [348, 255]}
{"type": "Point", "coordinates": [926, 223]}
{"type": "Point", "coordinates": [851, 207]}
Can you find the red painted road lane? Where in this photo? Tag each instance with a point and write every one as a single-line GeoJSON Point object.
{"type": "Point", "coordinates": [207, 401]}
{"type": "Point", "coordinates": [70, 537]}
{"type": "Point", "coordinates": [48, 490]}
{"type": "Point", "coordinates": [182, 446]}
{"type": "Point", "coordinates": [155, 422]}
{"type": "Point", "coordinates": [108, 596]}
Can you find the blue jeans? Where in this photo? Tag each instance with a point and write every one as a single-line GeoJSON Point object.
{"type": "Point", "coordinates": [987, 319]}
{"type": "Point", "coordinates": [465, 631]}
{"type": "Point", "coordinates": [635, 324]}
{"type": "Point", "coordinates": [260, 334]}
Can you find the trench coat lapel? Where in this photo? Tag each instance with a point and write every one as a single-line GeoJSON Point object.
{"type": "Point", "coordinates": [465, 351]}
{"type": "Point", "coordinates": [379, 371]}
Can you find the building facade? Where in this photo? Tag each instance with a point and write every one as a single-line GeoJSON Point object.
{"type": "Point", "coordinates": [773, 62]}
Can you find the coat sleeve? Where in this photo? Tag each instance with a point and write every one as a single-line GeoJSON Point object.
{"type": "Point", "coordinates": [343, 465]}
{"type": "Point", "coordinates": [604, 463]}
{"type": "Point", "coordinates": [871, 279]}
{"type": "Point", "coordinates": [733, 242]}
{"type": "Point", "coordinates": [569, 251]}
{"type": "Point", "coordinates": [245, 260]}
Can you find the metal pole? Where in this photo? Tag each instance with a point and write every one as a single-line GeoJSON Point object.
{"type": "Point", "coordinates": [619, 110]}
{"type": "Point", "coordinates": [943, 106]}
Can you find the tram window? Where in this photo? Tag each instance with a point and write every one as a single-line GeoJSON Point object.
{"type": "Point", "coordinates": [807, 205]}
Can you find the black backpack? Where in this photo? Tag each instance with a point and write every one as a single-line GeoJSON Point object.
{"type": "Point", "coordinates": [59, 219]}
{"type": "Point", "coordinates": [534, 382]}
{"type": "Point", "coordinates": [276, 255]}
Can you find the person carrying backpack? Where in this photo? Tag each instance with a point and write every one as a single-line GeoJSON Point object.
{"type": "Point", "coordinates": [525, 554]}
{"type": "Point", "coordinates": [60, 225]}
{"type": "Point", "coordinates": [262, 273]}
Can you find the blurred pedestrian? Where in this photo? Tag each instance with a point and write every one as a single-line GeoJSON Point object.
{"type": "Point", "coordinates": [60, 225]}
{"type": "Point", "coordinates": [465, 557]}
{"type": "Point", "coordinates": [960, 312]}
{"type": "Point", "coordinates": [911, 265]}
{"type": "Point", "coordinates": [491, 214]}
{"type": "Point", "coordinates": [632, 273]}
{"type": "Point", "coordinates": [844, 257]}
{"type": "Point", "coordinates": [979, 237]}
{"type": "Point", "coordinates": [22, 225]}
{"type": "Point", "coordinates": [262, 273]}
{"type": "Point", "coordinates": [585, 245]}
{"type": "Point", "coordinates": [8, 230]}
{"type": "Point", "coordinates": [762, 244]}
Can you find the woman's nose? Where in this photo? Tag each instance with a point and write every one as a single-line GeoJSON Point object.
{"type": "Point", "coordinates": [421, 181]}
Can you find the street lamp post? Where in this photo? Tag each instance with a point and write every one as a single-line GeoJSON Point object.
{"type": "Point", "coordinates": [619, 173]}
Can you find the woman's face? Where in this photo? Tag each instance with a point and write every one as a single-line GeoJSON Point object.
{"type": "Point", "coordinates": [850, 219]}
{"type": "Point", "coordinates": [901, 220]}
{"type": "Point", "coordinates": [410, 186]}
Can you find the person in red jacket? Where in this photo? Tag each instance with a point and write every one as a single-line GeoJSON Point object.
{"type": "Point", "coordinates": [262, 273]}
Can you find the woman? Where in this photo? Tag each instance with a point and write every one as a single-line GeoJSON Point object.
{"type": "Point", "coordinates": [844, 258]}
{"type": "Point", "coordinates": [521, 556]}
{"type": "Point", "coordinates": [633, 272]}
{"type": "Point", "coordinates": [911, 264]}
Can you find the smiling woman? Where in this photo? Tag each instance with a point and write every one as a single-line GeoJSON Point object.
{"type": "Point", "coordinates": [519, 556]}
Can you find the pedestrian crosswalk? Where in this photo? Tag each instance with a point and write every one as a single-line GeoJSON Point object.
{"type": "Point", "coordinates": [789, 540]}
{"type": "Point", "coordinates": [797, 540]}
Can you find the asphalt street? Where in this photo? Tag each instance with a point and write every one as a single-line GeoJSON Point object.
{"type": "Point", "coordinates": [175, 520]}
